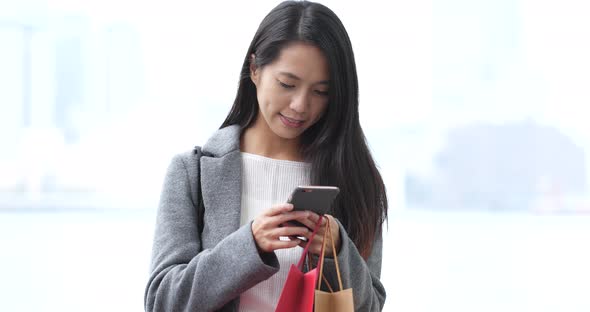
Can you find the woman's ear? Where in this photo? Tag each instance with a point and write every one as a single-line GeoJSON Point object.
{"type": "Point", "coordinates": [254, 71]}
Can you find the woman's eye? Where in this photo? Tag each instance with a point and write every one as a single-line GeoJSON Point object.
{"type": "Point", "coordinates": [286, 86]}
{"type": "Point", "coordinates": [320, 92]}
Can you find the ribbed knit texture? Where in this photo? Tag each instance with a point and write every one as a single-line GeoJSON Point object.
{"type": "Point", "coordinates": [267, 182]}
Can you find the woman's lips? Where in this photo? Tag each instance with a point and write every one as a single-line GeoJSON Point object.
{"type": "Point", "coordinates": [290, 122]}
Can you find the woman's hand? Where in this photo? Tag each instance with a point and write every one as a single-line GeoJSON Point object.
{"type": "Point", "coordinates": [270, 226]}
{"type": "Point", "coordinates": [316, 244]}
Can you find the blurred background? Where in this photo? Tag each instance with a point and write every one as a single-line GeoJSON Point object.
{"type": "Point", "coordinates": [476, 111]}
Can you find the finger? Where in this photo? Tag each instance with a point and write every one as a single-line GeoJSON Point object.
{"type": "Point", "coordinates": [333, 225]}
{"type": "Point", "coordinates": [325, 219]}
{"type": "Point", "coordinates": [309, 222]}
{"type": "Point", "coordinates": [291, 223]}
{"type": "Point", "coordinates": [290, 231]}
{"type": "Point", "coordinates": [302, 244]}
{"type": "Point", "coordinates": [300, 238]}
{"type": "Point", "coordinates": [320, 232]}
{"type": "Point", "coordinates": [278, 209]}
{"type": "Point", "coordinates": [272, 245]}
{"type": "Point", "coordinates": [289, 244]}
{"type": "Point", "coordinates": [313, 245]}
{"type": "Point", "coordinates": [287, 224]}
{"type": "Point", "coordinates": [314, 248]}
{"type": "Point", "coordinates": [314, 216]}
{"type": "Point", "coordinates": [289, 216]}
{"type": "Point", "coordinates": [329, 217]}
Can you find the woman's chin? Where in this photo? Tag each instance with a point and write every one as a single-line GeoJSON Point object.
{"type": "Point", "coordinates": [288, 133]}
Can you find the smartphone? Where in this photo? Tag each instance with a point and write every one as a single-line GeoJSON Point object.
{"type": "Point", "coordinates": [314, 198]}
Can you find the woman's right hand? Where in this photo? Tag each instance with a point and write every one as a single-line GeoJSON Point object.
{"type": "Point", "coordinates": [270, 226]}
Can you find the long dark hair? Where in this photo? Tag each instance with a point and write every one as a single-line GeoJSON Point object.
{"type": "Point", "coordinates": [335, 146]}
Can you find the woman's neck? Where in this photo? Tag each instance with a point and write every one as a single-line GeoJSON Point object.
{"type": "Point", "coordinates": [261, 140]}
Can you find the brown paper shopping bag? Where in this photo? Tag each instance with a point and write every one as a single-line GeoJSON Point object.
{"type": "Point", "coordinates": [339, 301]}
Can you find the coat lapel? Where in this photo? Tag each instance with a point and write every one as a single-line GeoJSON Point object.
{"type": "Point", "coordinates": [221, 185]}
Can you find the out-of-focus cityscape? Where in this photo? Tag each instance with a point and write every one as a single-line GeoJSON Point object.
{"type": "Point", "coordinates": [66, 81]}
{"type": "Point", "coordinates": [508, 167]}
{"type": "Point", "coordinates": [77, 109]}
{"type": "Point", "coordinates": [474, 111]}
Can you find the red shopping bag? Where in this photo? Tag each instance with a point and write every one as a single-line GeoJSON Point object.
{"type": "Point", "coordinates": [298, 292]}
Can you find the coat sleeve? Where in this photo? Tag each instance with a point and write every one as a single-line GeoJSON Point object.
{"type": "Point", "coordinates": [360, 275]}
{"type": "Point", "coordinates": [186, 277]}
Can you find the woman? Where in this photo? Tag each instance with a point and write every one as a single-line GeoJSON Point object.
{"type": "Point", "coordinates": [223, 240]}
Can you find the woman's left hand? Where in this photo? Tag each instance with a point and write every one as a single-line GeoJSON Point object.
{"type": "Point", "coordinates": [316, 244]}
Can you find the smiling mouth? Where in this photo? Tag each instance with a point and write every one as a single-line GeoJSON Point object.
{"type": "Point", "coordinates": [290, 122]}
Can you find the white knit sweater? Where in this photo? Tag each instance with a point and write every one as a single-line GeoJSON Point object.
{"type": "Point", "coordinates": [265, 183]}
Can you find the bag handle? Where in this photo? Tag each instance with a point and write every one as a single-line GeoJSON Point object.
{"type": "Point", "coordinates": [310, 263]}
{"type": "Point", "coordinates": [315, 230]}
{"type": "Point", "coordinates": [323, 255]}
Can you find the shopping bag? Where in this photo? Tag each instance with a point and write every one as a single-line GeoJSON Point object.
{"type": "Point", "coordinates": [332, 301]}
{"type": "Point", "coordinates": [298, 292]}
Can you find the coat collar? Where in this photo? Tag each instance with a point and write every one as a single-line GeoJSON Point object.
{"type": "Point", "coordinates": [223, 141]}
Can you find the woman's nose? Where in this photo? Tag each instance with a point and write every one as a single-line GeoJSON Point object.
{"type": "Point", "coordinates": [300, 102]}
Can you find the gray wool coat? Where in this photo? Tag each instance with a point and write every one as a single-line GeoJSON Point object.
{"type": "Point", "coordinates": [207, 267]}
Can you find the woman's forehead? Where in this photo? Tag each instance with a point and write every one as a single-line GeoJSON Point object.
{"type": "Point", "coordinates": [302, 61]}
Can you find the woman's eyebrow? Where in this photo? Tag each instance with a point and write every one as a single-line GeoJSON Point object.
{"type": "Point", "coordinates": [293, 76]}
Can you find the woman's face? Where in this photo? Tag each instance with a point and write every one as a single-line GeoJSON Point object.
{"type": "Point", "coordinates": [292, 91]}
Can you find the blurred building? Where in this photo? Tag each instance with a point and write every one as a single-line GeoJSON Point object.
{"type": "Point", "coordinates": [513, 166]}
